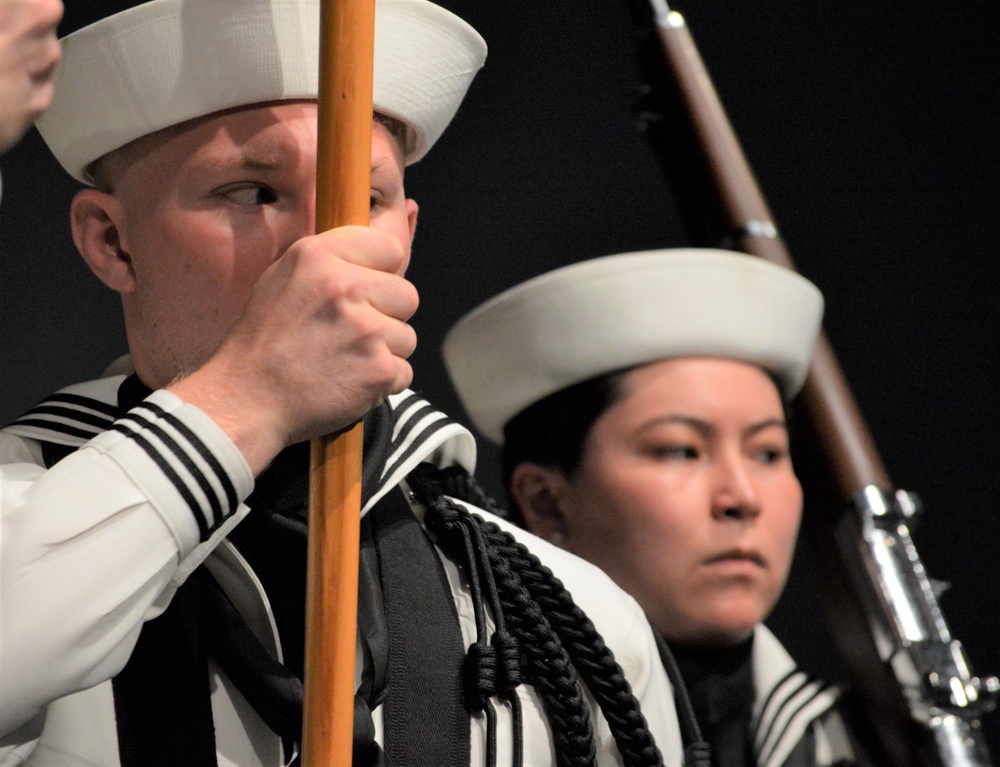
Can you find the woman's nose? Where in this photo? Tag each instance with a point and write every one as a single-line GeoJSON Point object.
{"type": "Point", "coordinates": [735, 495]}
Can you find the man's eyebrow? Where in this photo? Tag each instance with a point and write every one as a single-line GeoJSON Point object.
{"type": "Point", "coordinates": [386, 163]}
{"type": "Point", "coordinates": [268, 159]}
{"type": "Point", "coordinates": [255, 163]}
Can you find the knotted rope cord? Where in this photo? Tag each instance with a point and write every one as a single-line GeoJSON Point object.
{"type": "Point", "coordinates": [576, 633]}
{"type": "Point", "coordinates": [479, 669]}
{"type": "Point", "coordinates": [504, 645]}
{"type": "Point", "coordinates": [590, 655]}
{"type": "Point", "coordinates": [543, 657]}
{"type": "Point", "coordinates": [697, 752]}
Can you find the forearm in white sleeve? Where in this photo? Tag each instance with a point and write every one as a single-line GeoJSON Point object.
{"type": "Point", "coordinates": [96, 545]}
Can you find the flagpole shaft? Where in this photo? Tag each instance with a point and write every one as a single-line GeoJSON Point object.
{"type": "Point", "coordinates": [343, 183]}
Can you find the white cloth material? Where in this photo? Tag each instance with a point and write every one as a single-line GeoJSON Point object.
{"type": "Point", "coordinates": [167, 61]}
{"type": "Point", "coordinates": [788, 703]}
{"type": "Point", "coordinates": [616, 312]}
{"type": "Point", "coordinates": [96, 545]}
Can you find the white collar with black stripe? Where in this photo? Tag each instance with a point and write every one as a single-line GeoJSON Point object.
{"type": "Point", "coordinates": [420, 433]}
{"type": "Point", "coordinates": [787, 700]}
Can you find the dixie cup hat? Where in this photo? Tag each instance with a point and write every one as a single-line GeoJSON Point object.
{"type": "Point", "coordinates": [617, 312]}
{"type": "Point", "coordinates": [163, 62]}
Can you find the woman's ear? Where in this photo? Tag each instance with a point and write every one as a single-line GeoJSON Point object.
{"type": "Point", "coordinates": [537, 491]}
{"type": "Point", "coordinates": [95, 218]}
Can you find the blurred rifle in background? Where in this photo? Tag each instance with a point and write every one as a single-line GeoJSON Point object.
{"type": "Point", "coordinates": [911, 675]}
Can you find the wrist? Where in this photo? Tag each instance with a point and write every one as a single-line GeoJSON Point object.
{"type": "Point", "coordinates": [248, 420]}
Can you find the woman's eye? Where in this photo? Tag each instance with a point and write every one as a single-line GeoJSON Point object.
{"type": "Point", "coordinates": [676, 452]}
{"type": "Point", "coordinates": [251, 196]}
{"type": "Point", "coordinates": [769, 455]}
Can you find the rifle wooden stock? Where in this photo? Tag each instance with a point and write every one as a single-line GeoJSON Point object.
{"type": "Point", "coordinates": [343, 192]}
{"type": "Point", "coordinates": [743, 212]}
{"type": "Point", "coordinates": [724, 206]}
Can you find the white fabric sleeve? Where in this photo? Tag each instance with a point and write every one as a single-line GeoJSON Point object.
{"type": "Point", "coordinates": [96, 545]}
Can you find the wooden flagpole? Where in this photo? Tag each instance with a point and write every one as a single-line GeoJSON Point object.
{"type": "Point", "coordinates": [343, 183]}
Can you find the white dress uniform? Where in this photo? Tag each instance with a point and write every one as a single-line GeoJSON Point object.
{"type": "Point", "coordinates": [97, 545]}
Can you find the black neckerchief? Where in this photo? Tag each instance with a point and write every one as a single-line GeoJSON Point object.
{"type": "Point", "coordinates": [720, 684]}
{"type": "Point", "coordinates": [273, 540]}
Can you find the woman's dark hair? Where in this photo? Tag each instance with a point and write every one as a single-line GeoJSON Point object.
{"type": "Point", "coordinates": [552, 431]}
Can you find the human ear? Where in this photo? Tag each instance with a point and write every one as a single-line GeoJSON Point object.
{"type": "Point", "coordinates": [95, 218]}
{"type": "Point", "coordinates": [411, 216]}
{"type": "Point", "coordinates": [537, 491]}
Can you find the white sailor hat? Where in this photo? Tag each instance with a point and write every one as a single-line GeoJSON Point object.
{"type": "Point", "coordinates": [616, 312]}
{"type": "Point", "coordinates": [166, 61]}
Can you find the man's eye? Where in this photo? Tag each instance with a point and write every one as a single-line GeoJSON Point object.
{"type": "Point", "coordinates": [251, 196]}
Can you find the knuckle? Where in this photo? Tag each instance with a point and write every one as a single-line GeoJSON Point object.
{"type": "Point", "coordinates": [411, 297]}
{"type": "Point", "coordinates": [369, 326]}
{"type": "Point", "coordinates": [403, 376]}
{"type": "Point", "coordinates": [396, 252]}
{"type": "Point", "coordinates": [408, 343]}
{"type": "Point", "coordinates": [335, 281]}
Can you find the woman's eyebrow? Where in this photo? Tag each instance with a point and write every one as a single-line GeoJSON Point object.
{"type": "Point", "coordinates": [703, 427]}
{"type": "Point", "coordinates": [765, 424]}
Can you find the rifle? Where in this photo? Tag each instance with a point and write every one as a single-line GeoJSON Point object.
{"type": "Point", "coordinates": [912, 676]}
{"type": "Point", "coordinates": [343, 182]}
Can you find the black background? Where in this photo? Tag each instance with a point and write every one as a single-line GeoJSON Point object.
{"type": "Point", "coordinates": [871, 130]}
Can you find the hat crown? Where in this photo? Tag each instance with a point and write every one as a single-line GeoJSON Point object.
{"type": "Point", "coordinates": [163, 62]}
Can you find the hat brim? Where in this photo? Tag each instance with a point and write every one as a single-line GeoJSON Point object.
{"type": "Point", "coordinates": [168, 61]}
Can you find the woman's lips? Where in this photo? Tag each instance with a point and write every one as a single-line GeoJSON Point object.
{"type": "Point", "coordinates": [737, 560]}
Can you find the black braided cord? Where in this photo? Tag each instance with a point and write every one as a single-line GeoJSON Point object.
{"type": "Point", "coordinates": [586, 647]}
{"type": "Point", "coordinates": [495, 670]}
{"type": "Point", "coordinates": [593, 659]}
{"type": "Point", "coordinates": [547, 665]}
{"type": "Point", "coordinates": [479, 669]}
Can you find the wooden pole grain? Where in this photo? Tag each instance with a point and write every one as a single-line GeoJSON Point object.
{"type": "Point", "coordinates": [343, 183]}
